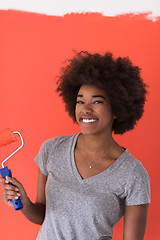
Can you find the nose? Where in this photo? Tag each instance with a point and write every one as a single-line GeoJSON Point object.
{"type": "Point", "coordinates": [87, 109]}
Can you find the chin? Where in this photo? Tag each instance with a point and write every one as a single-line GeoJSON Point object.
{"type": "Point", "coordinates": [87, 132]}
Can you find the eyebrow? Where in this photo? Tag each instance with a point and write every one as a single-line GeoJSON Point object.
{"type": "Point", "coordinates": [94, 96]}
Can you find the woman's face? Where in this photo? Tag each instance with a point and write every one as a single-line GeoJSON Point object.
{"type": "Point", "coordinates": [93, 110]}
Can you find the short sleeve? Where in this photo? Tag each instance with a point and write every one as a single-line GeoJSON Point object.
{"type": "Point", "coordinates": [41, 159]}
{"type": "Point", "coordinates": [138, 187]}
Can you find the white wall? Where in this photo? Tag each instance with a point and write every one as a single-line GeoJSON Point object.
{"type": "Point", "coordinates": [107, 7]}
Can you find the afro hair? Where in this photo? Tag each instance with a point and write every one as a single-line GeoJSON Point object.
{"type": "Point", "coordinates": [117, 77]}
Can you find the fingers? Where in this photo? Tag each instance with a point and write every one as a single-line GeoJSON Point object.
{"type": "Point", "coordinates": [10, 192]}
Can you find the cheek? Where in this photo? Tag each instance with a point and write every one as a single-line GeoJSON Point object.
{"type": "Point", "coordinates": [106, 114]}
{"type": "Point", "coordinates": [76, 112]}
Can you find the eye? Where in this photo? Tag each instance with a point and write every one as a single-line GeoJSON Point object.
{"type": "Point", "coordinates": [97, 102]}
{"type": "Point", "coordinates": [79, 102]}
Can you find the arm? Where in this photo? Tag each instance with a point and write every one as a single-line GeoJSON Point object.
{"type": "Point", "coordinates": [135, 220]}
{"type": "Point", "coordinates": [35, 212]}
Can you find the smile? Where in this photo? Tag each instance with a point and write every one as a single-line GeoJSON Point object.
{"type": "Point", "coordinates": [89, 120]}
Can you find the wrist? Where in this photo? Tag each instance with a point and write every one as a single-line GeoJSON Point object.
{"type": "Point", "coordinates": [26, 204]}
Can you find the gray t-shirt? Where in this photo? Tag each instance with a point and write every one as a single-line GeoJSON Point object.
{"type": "Point", "coordinates": [87, 209]}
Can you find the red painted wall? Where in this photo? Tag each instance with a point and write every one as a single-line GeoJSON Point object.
{"type": "Point", "coordinates": [33, 47]}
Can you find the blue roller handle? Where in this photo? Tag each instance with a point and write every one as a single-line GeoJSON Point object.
{"type": "Point", "coordinates": [17, 202]}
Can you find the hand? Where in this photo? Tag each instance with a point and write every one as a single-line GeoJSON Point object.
{"type": "Point", "coordinates": [10, 192]}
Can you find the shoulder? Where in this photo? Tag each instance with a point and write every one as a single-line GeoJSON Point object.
{"type": "Point", "coordinates": [133, 166]}
{"type": "Point", "coordinates": [53, 148]}
{"type": "Point", "coordinates": [56, 142]}
{"type": "Point", "coordinates": [137, 182]}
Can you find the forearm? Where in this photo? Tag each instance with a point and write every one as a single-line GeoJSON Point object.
{"type": "Point", "coordinates": [34, 212]}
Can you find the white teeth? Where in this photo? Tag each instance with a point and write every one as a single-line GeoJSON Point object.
{"type": "Point", "coordinates": [89, 120]}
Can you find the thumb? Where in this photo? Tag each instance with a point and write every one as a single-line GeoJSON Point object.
{"type": "Point", "coordinates": [13, 180]}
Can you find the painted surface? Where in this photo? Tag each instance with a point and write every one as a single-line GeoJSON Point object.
{"type": "Point", "coordinates": [33, 47]}
{"type": "Point", "coordinates": [61, 7]}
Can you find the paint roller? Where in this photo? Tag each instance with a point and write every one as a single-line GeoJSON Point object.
{"type": "Point", "coordinates": [7, 137]}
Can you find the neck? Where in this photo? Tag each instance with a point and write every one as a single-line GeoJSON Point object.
{"type": "Point", "coordinates": [93, 143]}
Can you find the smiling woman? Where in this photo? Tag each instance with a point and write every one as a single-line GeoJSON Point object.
{"type": "Point", "coordinates": [93, 110]}
{"type": "Point", "coordinates": [87, 182]}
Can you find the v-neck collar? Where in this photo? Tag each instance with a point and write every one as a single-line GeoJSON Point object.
{"type": "Point", "coordinates": [105, 173]}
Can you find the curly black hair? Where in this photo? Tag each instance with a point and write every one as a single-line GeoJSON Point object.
{"type": "Point", "coordinates": [116, 76]}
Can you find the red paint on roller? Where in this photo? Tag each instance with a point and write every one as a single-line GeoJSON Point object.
{"type": "Point", "coordinates": [6, 137]}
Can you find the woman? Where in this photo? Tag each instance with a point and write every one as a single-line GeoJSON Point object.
{"type": "Point", "coordinates": [90, 180]}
